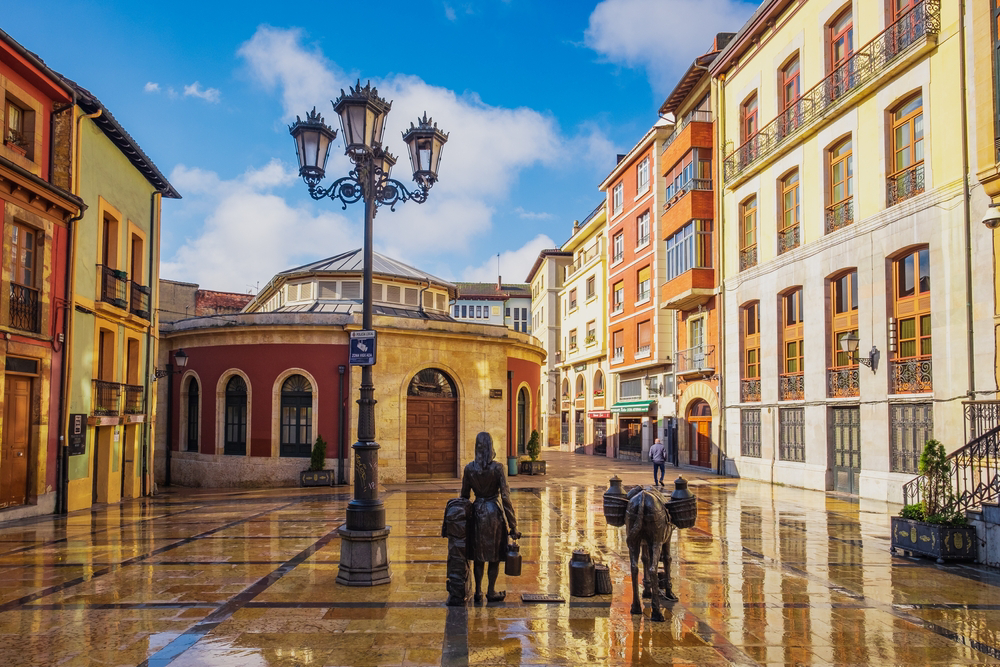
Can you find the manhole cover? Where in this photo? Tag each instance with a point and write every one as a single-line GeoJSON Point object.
{"type": "Point", "coordinates": [541, 597]}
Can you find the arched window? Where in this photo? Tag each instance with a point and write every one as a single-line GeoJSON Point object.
{"type": "Point", "coordinates": [907, 159]}
{"type": "Point", "coordinates": [192, 415]}
{"type": "Point", "coordinates": [788, 225]}
{"type": "Point", "coordinates": [431, 383]}
{"type": "Point", "coordinates": [750, 382]}
{"type": "Point", "coordinates": [598, 384]}
{"type": "Point", "coordinates": [910, 366]}
{"type": "Point", "coordinates": [748, 233]}
{"type": "Point", "coordinates": [565, 389]}
{"type": "Point", "coordinates": [791, 381]}
{"type": "Point", "coordinates": [296, 417]}
{"type": "Point", "coordinates": [580, 388]}
{"type": "Point", "coordinates": [523, 419]}
{"type": "Point", "coordinates": [840, 211]}
{"type": "Point", "coordinates": [236, 417]}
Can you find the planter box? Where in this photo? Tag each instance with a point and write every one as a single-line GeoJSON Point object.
{"type": "Point", "coordinates": [317, 477]}
{"type": "Point", "coordinates": [532, 467]}
{"type": "Point", "coordinates": [934, 540]}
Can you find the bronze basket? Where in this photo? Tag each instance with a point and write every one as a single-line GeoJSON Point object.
{"type": "Point", "coordinates": [684, 512]}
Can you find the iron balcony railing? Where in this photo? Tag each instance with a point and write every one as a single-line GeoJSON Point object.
{"type": "Point", "coordinates": [789, 239]}
{"type": "Point", "coordinates": [139, 301]}
{"type": "Point", "coordinates": [904, 185]}
{"type": "Point", "coordinates": [866, 64]}
{"type": "Point", "coordinates": [750, 390]}
{"type": "Point", "coordinates": [107, 398]}
{"type": "Point", "coordinates": [791, 387]}
{"type": "Point", "coordinates": [643, 351]}
{"type": "Point", "coordinates": [584, 258]}
{"type": "Point", "coordinates": [842, 382]}
{"type": "Point", "coordinates": [748, 257]}
{"type": "Point", "coordinates": [24, 308]}
{"type": "Point", "coordinates": [134, 395]}
{"type": "Point", "coordinates": [674, 195]}
{"type": "Point", "coordinates": [697, 359]}
{"type": "Point", "coordinates": [696, 116]}
{"type": "Point", "coordinates": [910, 376]}
{"type": "Point", "coordinates": [980, 417]}
{"type": "Point", "coordinates": [974, 471]}
{"type": "Point", "coordinates": [618, 355]}
{"type": "Point", "coordinates": [114, 286]}
{"type": "Point", "coordinates": [839, 215]}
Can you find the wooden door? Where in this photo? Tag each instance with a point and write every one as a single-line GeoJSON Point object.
{"type": "Point", "coordinates": [431, 437]}
{"type": "Point", "coordinates": [700, 419]}
{"type": "Point", "coordinates": [14, 450]}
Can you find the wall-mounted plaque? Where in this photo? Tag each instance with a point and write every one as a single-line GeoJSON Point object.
{"type": "Point", "coordinates": [496, 393]}
{"type": "Point", "coordinates": [77, 434]}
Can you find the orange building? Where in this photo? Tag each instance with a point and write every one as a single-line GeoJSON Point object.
{"type": "Point", "coordinates": [690, 283]}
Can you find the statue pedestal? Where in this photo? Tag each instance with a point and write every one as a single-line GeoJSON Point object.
{"type": "Point", "coordinates": [364, 557]}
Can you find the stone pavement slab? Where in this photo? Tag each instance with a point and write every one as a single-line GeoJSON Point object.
{"type": "Point", "coordinates": [768, 576]}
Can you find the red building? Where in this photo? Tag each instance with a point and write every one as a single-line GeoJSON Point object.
{"type": "Point", "coordinates": [38, 211]}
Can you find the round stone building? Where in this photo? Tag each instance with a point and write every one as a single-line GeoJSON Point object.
{"type": "Point", "coordinates": [260, 385]}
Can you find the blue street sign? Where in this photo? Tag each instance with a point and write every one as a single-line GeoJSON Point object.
{"type": "Point", "coordinates": [362, 349]}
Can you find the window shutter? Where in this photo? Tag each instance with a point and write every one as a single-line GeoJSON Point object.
{"type": "Point", "coordinates": [645, 332]}
{"type": "Point", "coordinates": [350, 289]}
{"type": "Point", "coordinates": [392, 293]}
{"type": "Point", "coordinates": [377, 291]}
{"type": "Point", "coordinates": [292, 293]}
{"type": "Point", "coordinates": [327, 289]}
{"type": "Point", "coordinates": [644, 274]}
{"type": "Point", "coordinates": [411, 296]}
{"type": "Point", "coordinates": [305, 291]}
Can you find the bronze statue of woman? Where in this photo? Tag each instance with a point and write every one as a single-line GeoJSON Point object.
{"type": "Point", "coordinates": [488, 543]}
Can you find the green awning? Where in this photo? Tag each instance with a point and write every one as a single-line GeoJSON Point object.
{"type": "Point", "coordinates": [631, 407]}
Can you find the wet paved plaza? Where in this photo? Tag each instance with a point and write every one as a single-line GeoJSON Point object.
{"type": "Point", "coordinates": [769, 576]}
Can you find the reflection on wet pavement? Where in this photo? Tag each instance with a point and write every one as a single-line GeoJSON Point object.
{"type": "Point", "coordinates": [768, 576]}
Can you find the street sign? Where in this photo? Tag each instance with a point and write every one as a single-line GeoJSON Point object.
{"type": "Point", "coordinates": [362, 348]}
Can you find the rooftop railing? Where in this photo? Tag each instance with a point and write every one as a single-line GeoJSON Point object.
{"type": "Point", "coordinates": [696, 116]}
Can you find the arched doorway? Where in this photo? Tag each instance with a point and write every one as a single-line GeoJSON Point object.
{"type": "Point", "coordinates": [523, 420]}
{"type": "Point", "coordinates": [431, 426]}
{"type": "Point", "coordinates": [699, 418]}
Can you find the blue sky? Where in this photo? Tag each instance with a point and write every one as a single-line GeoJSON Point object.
{"type": "Point", "coordinates": [538, 97]}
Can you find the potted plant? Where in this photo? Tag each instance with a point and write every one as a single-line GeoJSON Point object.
{"type": "Point", "coordinates": [534, 447]}
{"type": "Point", "coordinates": [933, 527]}
{"type": "Point", "coordinates": [316, 475]}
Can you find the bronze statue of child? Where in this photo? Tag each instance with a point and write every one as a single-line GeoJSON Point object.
{"type": "Point", "coordinates": [455, 527]}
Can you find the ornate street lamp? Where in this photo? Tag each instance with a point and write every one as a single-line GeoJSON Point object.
{"type": "Point", "coordinates": [849, 344]}
{"type": "Point", "coordinates": [181, 359]}
{"type": "Point", "coordinates": [364, 559]}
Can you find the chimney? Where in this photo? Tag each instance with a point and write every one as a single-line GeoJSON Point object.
{"type": "Point", "coordinates": [499, 283]}
{"type": "Point", "coordinates": [621, 156]}
{"type": "Point", "coordinates": [576, 226]}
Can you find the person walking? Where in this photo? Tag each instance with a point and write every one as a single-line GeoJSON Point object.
{"type": "Point", "coordinates": [658, 455]}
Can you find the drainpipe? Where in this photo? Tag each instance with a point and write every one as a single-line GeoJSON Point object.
{"type": "Point", "coordinates": [966, 196]}
{"type": "Point", "coordinates": [720, 218]}
{"type": "Point", "coordinates": [154, 206]}
{"type": "Point", "coordinates": [420, 297]}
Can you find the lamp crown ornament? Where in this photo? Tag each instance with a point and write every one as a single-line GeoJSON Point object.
{"type": "Point", "coordinates": [425, 142]}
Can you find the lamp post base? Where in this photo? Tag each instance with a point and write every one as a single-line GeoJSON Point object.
{"type": "Point", "coordinates": [364, 557]}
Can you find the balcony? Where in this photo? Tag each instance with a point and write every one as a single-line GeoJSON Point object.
{"type": "Point", "coordinates": [689, 290]}
{"type": "Point", "coordinates": [107, 398]}
{"type": "Point", "coordinates": [584, 258]}
{"type": "Point", "coordinates": [748, 257]}
{"type": "Point", "coordinates": [789, 239]}
{"type": "Point", "coordinates": [904, 185]}
{"type": "Point", "coordinates": [139, 301]}
{"type": "Point", "coordinates": [839, 215]}
{"type": "Point", "coordinates": [750, 390]}
{"type": "Point", "coordinates": [871, 64]}
{"type": "Point", "coordinates": [643, 351]}
{"type": "Point", "coordinates": [134, 395]}
{"type": "Point", "coordinates": [910, 376]}
{"type": "Point", "coordinates": [698, 360]}
{"type": "Point", "coordinates": [24, 308]}
{"type": "Point", "coordinates": [694, 131]}
{"type": "Point", "coordinates": [692, 184]}
{"type": "Point", "coordinates": [691, 204]}
{"type": "Point", "coordinates": [618, 355]}
{"type": "Point", "coordinates": [114, 286]}
{"type": "Point", "coordinates": [842, 382]}
{"type": "Point", "coordinates": [791, 387]}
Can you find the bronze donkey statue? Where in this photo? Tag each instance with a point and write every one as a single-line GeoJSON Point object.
{"type": "Point", "coordinates": [647, 531]}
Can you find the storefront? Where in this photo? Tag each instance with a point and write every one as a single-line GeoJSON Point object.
{"type": "Point", "coordinates": [600, 420]}
{"type": "Point", "coordinates": [632, 417]}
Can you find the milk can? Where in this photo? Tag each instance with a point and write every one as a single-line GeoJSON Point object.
{"type": "Point", "coordinates": [615, 503]}
{"type": "Point", "coordinates": [582, 575]}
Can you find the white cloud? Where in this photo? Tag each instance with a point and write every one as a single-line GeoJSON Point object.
{"type": "Point", "coordinates": [249, 231]}
{"type": "Point", "coordinates": [208, 94]}
{"type": "Point", "coordinates": [449, 13]}
{"type": "Point", "coordinates": [514, 264]}
{"type": "Point", "coordinates": [532, 215]}
{"type": "Point", "coordinates": [662, 36]}
{"type": "Point", "coordinates": [151, 87]}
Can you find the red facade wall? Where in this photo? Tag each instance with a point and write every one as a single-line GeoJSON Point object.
{"type": "Point", "coordinates": [521, 371]}
{"type": "Point", "coordinates": [263, 364]}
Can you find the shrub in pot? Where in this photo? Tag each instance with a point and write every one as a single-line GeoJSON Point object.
{"type": "Point", "coordinates": [316, 475]}
{"type": "Point", "coordinates": [534, 448]}
{"type": "Point", "coordinates": [934, 527]}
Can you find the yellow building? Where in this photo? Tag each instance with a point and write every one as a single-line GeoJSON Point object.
{"type": "Point", "coordinates": [584, 396]}
{"type": "Point", "coordinates": [545, 280]}
{"type": "Point", "coordinates": [844, 219]}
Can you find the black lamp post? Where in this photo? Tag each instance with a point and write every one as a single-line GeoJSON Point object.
{"type": "Point", "coordinates": [364, 559]}
{"type": "Point", "coordinates": [181, 358]}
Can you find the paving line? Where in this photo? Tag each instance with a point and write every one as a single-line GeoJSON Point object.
{"type": "Point", "coordinates": [31, 597]}
{"type": "Point", "coordinates": [190, 637]}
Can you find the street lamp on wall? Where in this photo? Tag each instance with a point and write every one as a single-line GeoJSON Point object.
{"type": "Point", "coordinates": [181, 359]}
{"type": "Point", "coordinates": [849, 344]}
{"type": "Point", "coordinates": [364, 557]}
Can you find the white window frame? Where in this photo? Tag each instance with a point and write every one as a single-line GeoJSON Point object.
{"type": "Point", "coordinates": [642, 177]}
{"type": "Point", "coordinates": [618, 199]}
